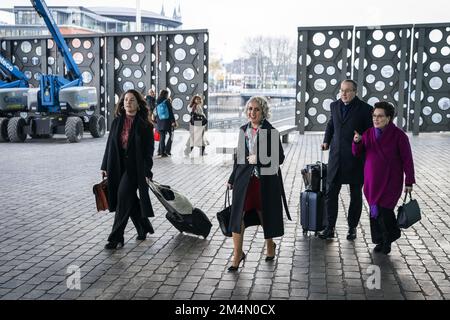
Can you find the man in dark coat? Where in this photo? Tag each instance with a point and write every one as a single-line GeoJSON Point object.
{"type": "Point", "coordinates": [348, 114]}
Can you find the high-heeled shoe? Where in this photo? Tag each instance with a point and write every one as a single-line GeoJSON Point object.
{"type": "Point", "coordinates": [113, 245]}
{"type": "Point", "coordinates": [273, 257]}
{"type": "Point", "coordinates": [233, 268]}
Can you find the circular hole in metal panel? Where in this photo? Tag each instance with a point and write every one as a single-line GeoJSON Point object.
{"type": "Point", "coordinates": [312, 111]}
{"type": "Point", "coordinates": [190, 40]}
{"type": "Point", "coordinates": [326, 104]}
{"type": "Point", "coordinates": [320, 84]}
{"type": "Point", "coordinates": [318, 68]}
{"type": "Point", "coordinates": [125, 44]}
{"type": "Point", "coordinates": [328, 53]}
{"type": "Point", "coordinates": [436, 118]}
{"type": "Point", "coordinates": [176, 69]}
{"type": "Point", "coordinates": [116, 64]}
{"type": "Point", "coordinates": [90, 55]}
{"type": "Point", "coordinates": [186, 117]}
{"type": "Point", "coordinates": [435, 35]}
{"type": "Point", "coordinates": [35, 61]}
{"type": "Point", "coordinates": [334, 43]}
{"type": "Point", "coordinates": [445, 51]}
{"type": "Point", "coordinates": [193, 51]}
{"type": "Point", "coordinates": [321, 118]}
{"type": "Point", "coordinates": [78, 57]}
{"type": "Point", "coordinates": [333, 82]}
{"type": "Point", "coordinates": [26, 47]}
{"type": "Point", "coordinates": [28, 74]}
{"type": "Point", "coordinates": [140, 47]}
{"type": "Point", "coordinates": [137, 74]}
{"type": "Point", "coordinates": [182, 87]}
{"type": "Point", "coordinates": [370, 78]}
{"type": "Point", "coordinates": [140, 84]}
{"type": "Point", "coordinates": [134, 58]}
{"type": "Point", "coordinates": [435, 83]}
{"type": "Point", "coordinates": [319, 39]}
{"type": "Point", "coordinates": [387, 71]}
{"type": "Point", "coordinates": [379, 86]}
{"type": "Point", "coordinates": [427, 110]}
{"type": "Point", "coordinates": [50, 44]}
{"type": "Point", "coordinates": [39, 51]}
{"type": "Point", "coordinates": [24, 60]}
{"type": "Point", "coordinates": [87, 44]}
{"type": "Point", "coordinates": [390, 36]}
{"type": "Point", "coordinates": [435, 66]}
{"type": "Point", "coordinates": [180, 54]}
{"type": "Point", "coordinates": [126, 72]}
{"type": "Point", "coordinates": [173, 80]}
{"type": "Point", "coordinates": [188, 74]}
{"type": "Point", "coordinates": [430, 99]}
{"type": "Point", "coordinates": [331, 70]}
{"type": "Point", "coordinates": [87, 77]}
{"type": "Point", "coordinates": [124, 57]}
{"type": "Point", "coordinates": [444, 103]}
{"type": "Point", "coordinates": [392, 47]}
{"type": "Point", "coordinates": [377, 35]}
{"type": "Point", "coordinates": [378, 51]}
{"type": "Point", "coordinates": [316, 53]}
{"type": "Point", "coordinates": [177, 104]}
{"type": "Point", "coordinates": [178, 39]}
{"type": "Point", "coordinates": [76, 43]}
{"type": "Point", "coordinates": [315, 100]}
{"type": "Point", "coordinates": [433, 50]}
{"type": "Point", "coordinates": [127, 85]}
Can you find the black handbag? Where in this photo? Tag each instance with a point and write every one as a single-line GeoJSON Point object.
{"type": "Point", "coordinates": [223, 216]}
{"type": "Point", "coordinates": [408, 213]}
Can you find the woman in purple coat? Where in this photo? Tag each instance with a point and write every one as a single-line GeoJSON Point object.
{"type": "Point", "coordinates": [388, 158]}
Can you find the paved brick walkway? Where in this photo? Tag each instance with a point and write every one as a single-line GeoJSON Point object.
{"type": "Point", "coordinates": [49, 225]}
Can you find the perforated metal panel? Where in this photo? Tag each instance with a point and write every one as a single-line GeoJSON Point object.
{"type": "Point", "coordinates": [381, 66]}
{"type": "Point", "coordinates": [186, 71]}
{"type": "Point", "coordinates": [114, 63]}
{"type": "Point", "coordinates": [324, 59]}
{"type": "Point", "coordinates": [430, 95]}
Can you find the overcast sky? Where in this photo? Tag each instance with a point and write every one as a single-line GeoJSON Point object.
{"type": "Point", "coordinates": [230, 21]}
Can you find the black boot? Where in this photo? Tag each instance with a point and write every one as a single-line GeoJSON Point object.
{"type": "Point", "coordinates": [328, 233]}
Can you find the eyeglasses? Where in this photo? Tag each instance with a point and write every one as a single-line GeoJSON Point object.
{"type": "Point", "coordinates": [378, 116]}
{"type": "Point", "coordinates": [256, 109]}
{"type": "Point", "coordinates": [346, 91]}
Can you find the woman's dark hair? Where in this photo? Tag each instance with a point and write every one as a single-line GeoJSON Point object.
{"type": "Point", "coordinates": [389, 109]}
{"type": "Point", "coordinates": [142, 105]}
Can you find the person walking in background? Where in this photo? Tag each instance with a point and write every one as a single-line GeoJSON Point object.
{"type": "Point", "coordinates": [388, 160]}
{"type": "Point", "coordinates": [257, 194]}
{"type": "Point", "coordinates": [150, 99]}
{"type": "Point", "coordinates": [165, 122]}
{"type": "Point", "coordinates": [197, 126]}
{"type": "Point", "coordinates": [348, 114]}
{"type": "Point", "coordinates": [127, 162]}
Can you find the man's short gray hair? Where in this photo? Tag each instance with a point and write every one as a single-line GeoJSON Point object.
{"type": "Point", "coordinates": [262, 103]}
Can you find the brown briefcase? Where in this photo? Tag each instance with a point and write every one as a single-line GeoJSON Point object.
{"type": "Point", "coordinates": [101, 195]}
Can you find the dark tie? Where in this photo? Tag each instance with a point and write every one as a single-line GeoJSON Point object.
{"type": "Point", "coordinates": [344, 110]}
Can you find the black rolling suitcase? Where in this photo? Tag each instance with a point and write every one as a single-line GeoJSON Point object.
{"type": "Point", "coordinates": [312, 200]}
{"type": "Point", "coordinates": [180, 212]}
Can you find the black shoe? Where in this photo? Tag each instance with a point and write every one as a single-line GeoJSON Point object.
{"type": "Point", "coordinates": [233, 268]}
{"type": "Point", "coordinates": [386, 248]}
{"type": "Point", "coordinates": [273, 257]}
{"type": "Point", "coordinates": [164, 155]}
{"type": "Point", "coordinates": [328, 233]}
{"type": "Point", "coordinates": [113, 245]}
{"type": "Point", "coordinates": [378, 247]}
{"type": "Point", "coordinates": [141, 237]}
{"type": "Point", "coordinates": [351, 235]}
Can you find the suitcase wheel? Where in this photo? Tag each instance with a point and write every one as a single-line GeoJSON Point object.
{"type": "Point", "coordinates": [316, 234]}
{"type": "Point", "coordinates": [305, 231]}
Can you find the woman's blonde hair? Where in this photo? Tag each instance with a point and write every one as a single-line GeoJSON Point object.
{"type": "Point", "coordinates": [262, 103]}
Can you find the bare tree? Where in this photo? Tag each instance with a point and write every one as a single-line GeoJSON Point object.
{"type": "Point", "coordinates": [274, 57]}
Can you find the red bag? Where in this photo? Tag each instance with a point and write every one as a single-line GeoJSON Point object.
{"type": "Point", "coordinates": [156, 134]}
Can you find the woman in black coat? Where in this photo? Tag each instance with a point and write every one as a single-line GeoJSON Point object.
{"type": "Point", "coordinates": [256, 181]}
{"type": "Point", "coordinates": [127, 163]}
{"type": "Point", "coordinates": [165, 126]}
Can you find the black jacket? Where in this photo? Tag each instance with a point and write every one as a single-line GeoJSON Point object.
{"type": "Point", "coordinates": [138, 163]}
{"type": "Point", "coordinates": [197, 118]}
{"type": "Point", "coordinates": [339, 136]}
{"type": "Point", "coordinates": [272, 190]}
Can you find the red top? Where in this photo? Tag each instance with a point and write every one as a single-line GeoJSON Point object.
{"type": "Point", "coordinates": [126, 130]}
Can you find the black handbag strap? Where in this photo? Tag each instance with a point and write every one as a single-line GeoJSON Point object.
{"type": "Point", "coordinates": [283, 195]}
{"type": "Point", "coordinates": [406, 195]}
